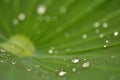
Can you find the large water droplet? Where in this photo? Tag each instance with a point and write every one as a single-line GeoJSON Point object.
{"type": "Point", "coordinates": [84, 36]}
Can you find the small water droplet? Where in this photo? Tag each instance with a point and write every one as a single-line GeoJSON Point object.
{"type": "Point", "coordinates": [84, 36]}
{"type": "Point", "coordinates": [73, 69]}
{"type": "Point", "coordinates": [50, 51]}
{"type": "Point", "coordinates": [15, 21]}
{"type": "Point", "coordinates": [101, 35]}
{"type": "Point", "coordinates": [41, 9]}
{"type": "Point", "coordinates": [29, 69]}
{"type": "Point", "coordinates": [107, 41]}
{"type": "Point", "coordinates": [21, 16]}
{"type": "Point", "coordinates": [105, 46]}
{"type": "Point", "coordinates": [37, 66]}
{"type": "Point", "coordinates": [75, 60]}
{"type": "Point", "coordinates": [86, 64]}
{"type": "Point", "coordinates": [62, 73]}
{"type": "Point", "coordinates": [96, 24]}
{"type": "Point", "coordinates": [116, 33]}
{"type": "Point", "coordinates": [105, 25]}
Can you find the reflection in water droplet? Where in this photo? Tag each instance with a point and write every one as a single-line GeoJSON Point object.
{"type": "Point", "coordinates": [116, 33]}
{"type": "Point", "coordinates": [75, 60]}
{"type": "Point", "coordinates": [86, 64]}
{"type": "Point", "coordinates": [62, 73]}
{"type": "Point", "coordinates": [41, 9]}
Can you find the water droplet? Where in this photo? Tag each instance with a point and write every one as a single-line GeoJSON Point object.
{"type": "Point", "coordinates": [21, 16]}
{"type": "Point", "coordinates": [29, 69]}
{"type": "Point", "coordinates": [50, 51]}
{"type": "Point", "coordinates": [84, 36]}
{"type": "Point", "coordinates": [73, 69]}
{"type": "Point", "coordinates": [107, 41]}
{"type": "Point", "coordinates": [96, 24]}
{"type": "Point", "coordinates": [41, 9]}
{"type": "Point", "coordinates": [63, 9]}
{"type": "Point", "coordinates": [13, 62]}
{"type": "Point", "coordinates": [62, 73]}
{"type": "Point", "coordinates": [37, 66]}
{"type": "Point", "coordinates": [105, 46]}
{"type": "Point", "coordinates": [101, 35]}
{"type": "Point", "coordinates": [105, 25]}
{"type": "Point", "coordinates": [75, 60]}
{"type": "Point", "coordinates": [86, 64]}
{"type": "Point", "coordinates": [84, 59]}
{"type": "Point", "coordinates": [116, 33]}
{"type": "Point", "coordinates": [15, 22]}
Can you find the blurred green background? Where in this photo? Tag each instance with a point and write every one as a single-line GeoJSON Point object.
{"type": "Point", "coordinates": [59, 39]}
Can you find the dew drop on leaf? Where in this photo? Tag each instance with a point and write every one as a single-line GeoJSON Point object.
{"type": "Point", "coordinates": [15, 21]}
{"type": "Point", "coordinates": [105, 25]}
{"type": "Point", "coordinates": [86, 64]}
{"type": "Point", "coordinates": [101, 35]}
{"type": "Point", "coordinates": [96, 24]}
{"type": "Point", "coordinates": [75, 60]}
{"type": "Point", "coordinates": [50, 51]}
{"type": "Point", "coordinates": [73, 69]}
{"type": "Point", "coordinates": [84, 36]}
{"type": "Point", "coordinates": [41, 9]}
{"type": "Point", "coordinates": [105, 46]}
{"type": "Point", "coordinates": [62, 73]}
{"type": "Point", "coordinates": [21, 16]}
{"type": "Point", "coordinates": [107, 41]}
{"type": "Point", "coordinates": [116, 33]}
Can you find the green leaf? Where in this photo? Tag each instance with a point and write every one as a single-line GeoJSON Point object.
{"type": "Point", "coordinates": [59, 40]}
